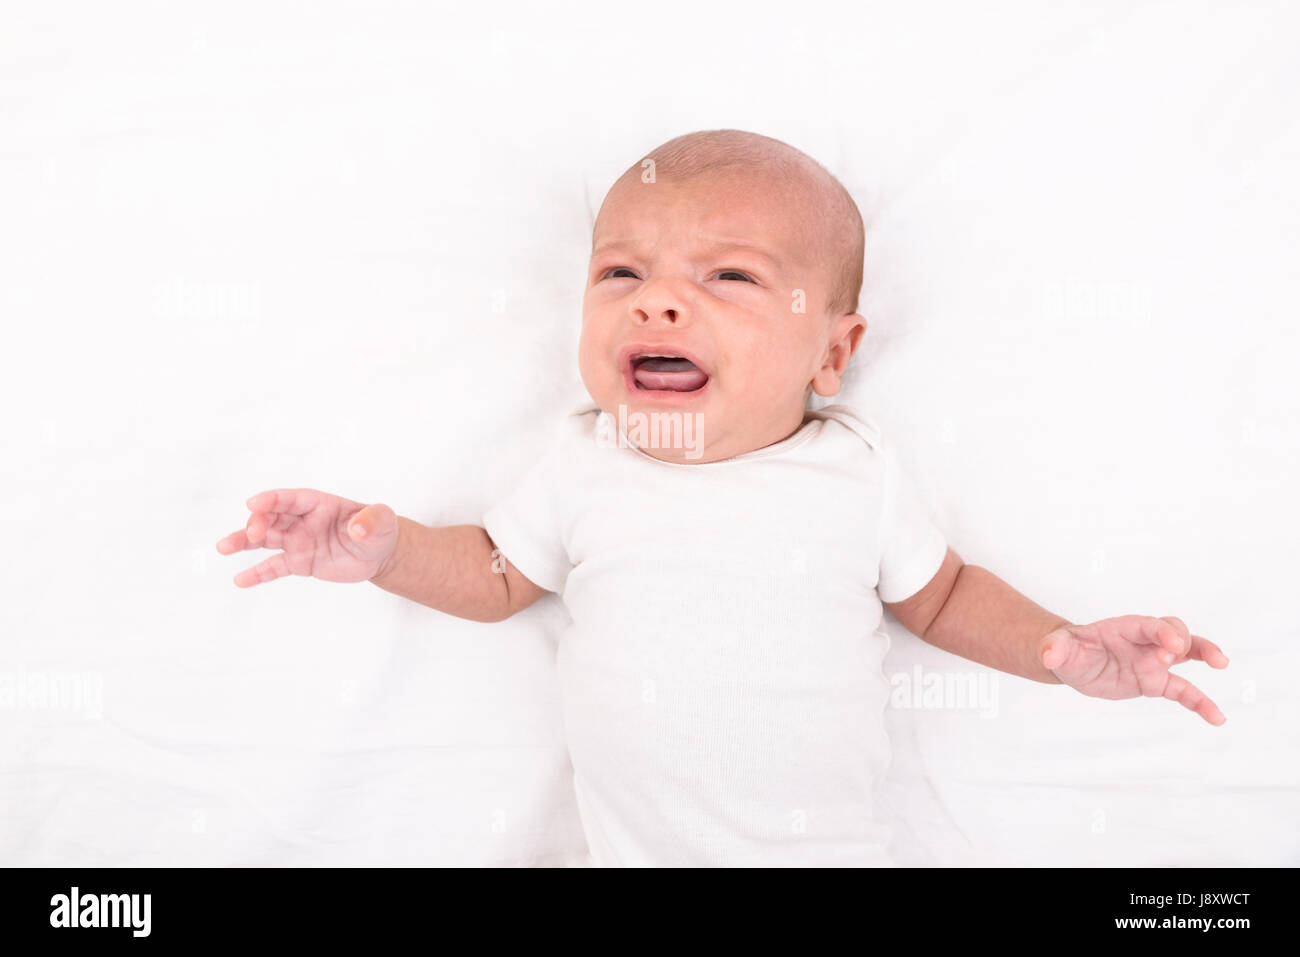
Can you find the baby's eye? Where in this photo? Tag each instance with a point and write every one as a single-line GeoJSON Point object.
{"type": "Point", "coordinates": [732, 272]}
{"type": "Point", "coordinates": [613, 273]}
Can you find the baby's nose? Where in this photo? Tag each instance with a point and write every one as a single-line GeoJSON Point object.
{"type": "Point", "coordinates": [667, 315]}
{"type": "Point", "coordinates": [661, 301]}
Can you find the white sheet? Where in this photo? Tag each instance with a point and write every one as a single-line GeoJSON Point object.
{"type": "Point", "coordinates": [342, 246]}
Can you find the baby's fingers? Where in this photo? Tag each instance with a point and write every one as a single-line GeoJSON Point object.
{"type": "Point", "coordinates": [262, 531]}
{"type": "Point", "coordinates": [235, 542]}
{"type": "Point", "coordinates": [1193, 699]}
{"type": "Point", "coordinates": [1204, 650]}
{"type": "Point", "coordinates": [274, 567]}
{"type": "Point", "coordinates": [267, 530]}
{"type": "Point", "coordinates": [272, 537]}
{"type": "Point", "coordinates": [292, 501]}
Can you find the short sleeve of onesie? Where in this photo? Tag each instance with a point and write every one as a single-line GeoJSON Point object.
{"type": "Point", "coordinates": [528, 525]}
{"type": "Point", "coordinates": [912, 548]}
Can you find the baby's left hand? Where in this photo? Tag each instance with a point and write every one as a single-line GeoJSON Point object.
{"type": "Point", "coordinates": [1130, 657]}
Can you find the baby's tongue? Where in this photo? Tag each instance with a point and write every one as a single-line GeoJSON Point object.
{"type": "Point", "coordinates": [674, 375]}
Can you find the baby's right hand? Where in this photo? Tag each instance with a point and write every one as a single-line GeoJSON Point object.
{"type": "Point", "coordinates": [322, 535]}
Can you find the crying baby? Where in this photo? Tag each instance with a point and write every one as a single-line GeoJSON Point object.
{"type": "Point", "coordinates": [725, 553]}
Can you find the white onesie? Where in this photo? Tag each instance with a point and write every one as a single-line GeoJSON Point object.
{"type": "Point", "coordinates": [721, 679]}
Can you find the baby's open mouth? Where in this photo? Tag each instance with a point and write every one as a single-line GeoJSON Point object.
{"type": "Point", "coordinates": [667, 374]}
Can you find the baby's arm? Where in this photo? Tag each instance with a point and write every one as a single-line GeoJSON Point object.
{"type": "Point", "coordinates": [970, 612]}
{"type": "Point", "coordinates": [454, 569]}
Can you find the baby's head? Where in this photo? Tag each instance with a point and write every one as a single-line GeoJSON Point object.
{"type": "Point", "coordinates": [738, 259]}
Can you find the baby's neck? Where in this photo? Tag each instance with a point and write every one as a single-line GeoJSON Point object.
{"type": "Point", "coordinates": [686, 441]}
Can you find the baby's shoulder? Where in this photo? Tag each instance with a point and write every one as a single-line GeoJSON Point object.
{"type": "Point", "coordinates": [582, 425]}
{"type": "Point", "coordinates": [576, 433]}
{"type": "Point", "coordinates": [853, 422]}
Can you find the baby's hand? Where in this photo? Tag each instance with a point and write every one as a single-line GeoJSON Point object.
{"type": "Point", "coordinates": [321, 535]}
{"type": "Point", "coordinates": [1129, 657]}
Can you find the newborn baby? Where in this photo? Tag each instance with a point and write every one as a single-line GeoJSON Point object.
{"type": "Point", "coordinates": [724, 552]}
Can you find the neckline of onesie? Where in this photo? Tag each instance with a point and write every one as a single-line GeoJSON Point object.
{"type": "Point", "coordinates": [796, 438]}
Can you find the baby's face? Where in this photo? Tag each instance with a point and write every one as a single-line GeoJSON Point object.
{"type": "Point", "coordinates": [725, 279]}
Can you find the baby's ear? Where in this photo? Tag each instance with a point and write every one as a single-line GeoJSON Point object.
{"type": "Point", "coordinates": [845, 337]}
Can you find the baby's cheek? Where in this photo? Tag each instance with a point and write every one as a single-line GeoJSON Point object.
{"type": "Point", "coordinates": [594, 376]}
{"type": "Point", "coordinates": [780, 357]}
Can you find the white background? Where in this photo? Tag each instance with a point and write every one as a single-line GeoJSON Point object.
{"type": "Point", "coordinates": [341, 246]}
